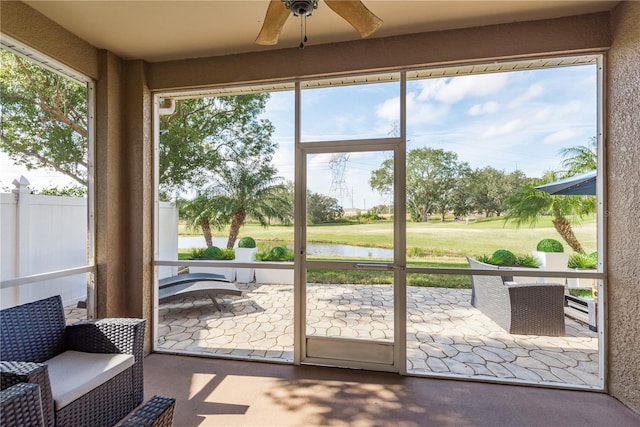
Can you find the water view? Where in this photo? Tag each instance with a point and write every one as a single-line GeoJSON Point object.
{"type": "Point", "coordinates": [320, 249]}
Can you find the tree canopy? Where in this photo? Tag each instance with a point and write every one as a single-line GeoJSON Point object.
{"type": "Point", "coordinates": [322, 209]}
{"type": "Point", "coordinates": [43, 124]}
{"type": "Point", "coordinates": [432, 176]}
{"type": "Point", "coordinates": [43, 118]}
{"type": "Point", "coordinates": [204, 133]}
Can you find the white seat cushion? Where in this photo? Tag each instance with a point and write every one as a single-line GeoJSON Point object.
{"type": "Point", "coordinates": [74, 373]}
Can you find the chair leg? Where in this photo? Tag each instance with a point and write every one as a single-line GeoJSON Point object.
{"type": "Point", "coordinates": [215, 303]}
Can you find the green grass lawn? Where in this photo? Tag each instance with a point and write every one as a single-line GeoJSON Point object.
{"type": "Point", "coordinates": [432, 244]}
{"type": "Point", "coordinates": [434, 238]}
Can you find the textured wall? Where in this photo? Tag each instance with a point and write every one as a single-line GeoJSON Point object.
{"type": "Point", "coordinates": [623, 192]}
{"type": "Point", "coordinates": [111, 187]}
{"type": "Point", "coordinates": [535, 38]}
{"type": "Point", "coordinates": [31, 28]}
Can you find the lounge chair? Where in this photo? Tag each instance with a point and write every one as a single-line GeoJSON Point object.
{"type": "Point", "coordinates": [178, 280]}
{"type": "Point", "coordinates": [190, 278]}
{"type": "Point", "coordinates": [196, 285]}
{"type": "Point", "coordinates": [518, 308]}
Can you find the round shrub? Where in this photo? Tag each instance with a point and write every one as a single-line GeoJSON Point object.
{"type": "Point", "coordinates": [247, 242]}
{"type": "Point", "coordinates": [504, 257]}
{"type": "Point", "coordinates": [549, 245]}
{"type": "Point", "coordinates": [278, 253]}
{"type": "Point", "coordinates": [212, 252]}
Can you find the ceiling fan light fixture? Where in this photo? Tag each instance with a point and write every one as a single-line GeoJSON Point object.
{"type": "Point", "coordinates": [352, 11]}
{"type": "Point", "coordinates": [301, 7]}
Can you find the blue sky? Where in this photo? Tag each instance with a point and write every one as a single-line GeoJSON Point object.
{"type": "Point", "coordinates": [516, 120]}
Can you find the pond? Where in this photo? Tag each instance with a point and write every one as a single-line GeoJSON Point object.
{"type": "Point", "coordinates": [322, 249]}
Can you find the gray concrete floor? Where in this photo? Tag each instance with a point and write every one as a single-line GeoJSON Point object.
{"type": "Point", "coordinates": [218, 392]}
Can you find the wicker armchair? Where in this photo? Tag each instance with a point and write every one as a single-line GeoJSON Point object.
{"type": "Point", "coordinates": [157, 412]}
{"type": "Point", "coordinates": [20, 406]}
{"type": "Point", "coordinates": [525, 309]}
{"type": "Point", "coordinates": [35, 339]}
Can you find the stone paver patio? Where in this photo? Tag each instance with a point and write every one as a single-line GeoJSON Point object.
{"type": "Point", "coordinates": [445, 334]}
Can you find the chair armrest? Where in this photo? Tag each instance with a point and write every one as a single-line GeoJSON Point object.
{"type": "Point", "coordinates": [157, 412]}
{"type": "Point", "coordinates": [12, 373]}
{"type": "Point", "coordinates": [534, 294]}
{"type": "Point", "coordinates": [115, 335]}
{"type": "Point", "coordinates": [20, 405]}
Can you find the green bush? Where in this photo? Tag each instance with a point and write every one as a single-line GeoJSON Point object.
{"type": "Point", "coordinates": [549, 245]}
{"type": "Point", "coordinates": [520, 261]}
{"type": "Point", "coordinates": [527, 261]}
{"type": "Point", "coordinates": [277, 253]}
{"type": "Point", "coordinates": [504, 257]}
{"type": "Point", "coordinates": [578, 260]}
{"type": "Point", "coordinates": [247, 242]}
{"type": "Point", "coordinates": [213, 252]}
{"type": "Point", "coordinates": [197, 253]}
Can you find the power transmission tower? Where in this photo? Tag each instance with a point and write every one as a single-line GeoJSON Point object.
{"type": "Point", "coordinates": [338, 165]}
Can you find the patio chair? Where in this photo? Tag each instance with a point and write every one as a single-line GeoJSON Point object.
{"type": "Point", "coordinates": [157, 412]}
{"type": "Point", "coordinates": [88, 374]}
{"type": "Point", "coordinates": [20, 406]}
{"type": "Point", "coordinates": [518, 308]}
{"type": "Point", "coordinates": [197, 285]}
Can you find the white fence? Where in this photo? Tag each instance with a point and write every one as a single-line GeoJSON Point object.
{"type": "Point", "coordinates": [40, 234]}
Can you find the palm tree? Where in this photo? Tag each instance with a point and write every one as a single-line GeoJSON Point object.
{"type": "Point", "coordinates": [528, 204]}
{"type": "Point", "coordinates": [245, 189]}
{"type": "Point", "coordinates": [201, 212]}
{"type": "Point", "coordinates": [580, 159]}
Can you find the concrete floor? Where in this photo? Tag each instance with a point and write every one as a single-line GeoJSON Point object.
{"type": "Point", "coordinates": [217, 392]}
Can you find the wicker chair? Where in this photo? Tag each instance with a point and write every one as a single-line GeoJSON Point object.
{"type": "Point", "coordinates": [518, 308]}
{"type": "Point", "coordinates": [157, 412]}
{"type": "Point", "coordinates": [20, 406]}
{"type": "Point", "coordinates": [35, 335]}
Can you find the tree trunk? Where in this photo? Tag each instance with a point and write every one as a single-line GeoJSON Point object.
{"type": "Point", "coordinates": [563, 227]}
{"type": "Point", "coordinates": [234, 229]}
{"type": "Point", "coordinates": [206, 230]}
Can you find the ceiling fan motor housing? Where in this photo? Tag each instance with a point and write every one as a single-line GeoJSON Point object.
{"type": "Point", "coordinates": [301, 7]}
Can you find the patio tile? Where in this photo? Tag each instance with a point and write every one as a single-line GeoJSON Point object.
{"type": "Point", "coordinates": [445, 334]}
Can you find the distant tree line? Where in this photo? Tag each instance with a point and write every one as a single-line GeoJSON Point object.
{"type": "Point", "coordinates": [439, 184]}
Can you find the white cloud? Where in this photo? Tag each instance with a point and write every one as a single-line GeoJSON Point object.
{"type": "Point", "coordinates": [417, 112]}
{"type": "Point", "coordinates": [389, 109]}
{"type": "Point", "coordinates": [486, 108]}
{"type": "Point", "coordinates": [532, 92]}
{"type": "Point", "coordinates": [561, 136]}
{"type": "Point", "coordinates": [510, 127]}
{"type": "Point", "coordinates": [452, 90]}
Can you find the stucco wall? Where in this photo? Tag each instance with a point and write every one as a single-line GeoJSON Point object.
{"type": "Point", "coordinates": [31, 28]}
{"type": "Point", "coordinates": [623, 192]}
{"type": "Point", "coordinates": [575, 34]}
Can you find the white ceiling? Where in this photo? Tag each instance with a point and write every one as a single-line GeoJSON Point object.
{"type": "Point", "coordinates": [167, 30]}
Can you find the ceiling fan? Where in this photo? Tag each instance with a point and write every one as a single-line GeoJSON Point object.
{"type": "Point", "coordinates": [352, 11]}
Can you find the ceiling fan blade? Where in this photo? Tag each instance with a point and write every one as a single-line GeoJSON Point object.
{"type": "Point", "coordinates": [356, 14]}
{"type": "Point", "coordinates": [276, 16]}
